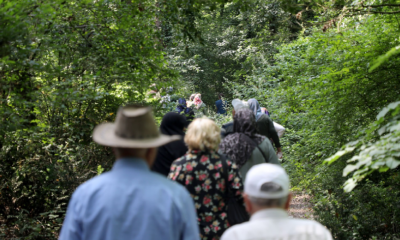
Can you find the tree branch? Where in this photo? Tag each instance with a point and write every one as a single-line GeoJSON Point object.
{"type": "Point", "coordinates": [382, 5]}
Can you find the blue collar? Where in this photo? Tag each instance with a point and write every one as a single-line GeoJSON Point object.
{"type": "Point", "coordinates": [130, 162]}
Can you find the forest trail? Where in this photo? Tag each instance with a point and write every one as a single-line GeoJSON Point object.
{"type": "Point", "coordinates": [301, 206]}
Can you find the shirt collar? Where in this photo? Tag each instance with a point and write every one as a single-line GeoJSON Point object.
{"type": "Point", "coordinates": [130, 162]}
{"type": "Point", "coordinates": [269, 213]}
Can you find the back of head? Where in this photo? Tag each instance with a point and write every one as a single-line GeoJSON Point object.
{"type": "Point", "coordinates": [245, 122]}
{"type": "Point", "coordinates": [173, 124]}
{"type": "Point", "coordinates": [254, 106]}
{"type": "Point", "coordinates": [267, 181]}
{"type": "Point", "coordinates": [182, 102]}
{"type": "Point", "coordinates": [203, 134]}
{"type": "Point", "coordinates": [238, 104]}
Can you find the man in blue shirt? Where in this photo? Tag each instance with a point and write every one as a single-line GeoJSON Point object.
{"type": "Point", "coordinates": [130, 201]}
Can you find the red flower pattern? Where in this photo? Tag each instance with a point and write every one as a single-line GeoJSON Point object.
{"type": "Point", "coordinates": [204, 180]}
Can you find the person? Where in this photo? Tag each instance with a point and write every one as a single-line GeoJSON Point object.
{"type": "Point", "coordinates": [181, 108]}
{"type": "Point", "coordinates": [265, 125]}
{"type": "Point", "coordinates": [227, 128]}
{"type": "Point", "coordinates": [220, 104]}
{"type": "Point", "coordinates": [124, 203]}
{"type": "Point", "coordinates": [280, 130]}
{"type": "Point", "coordinates": [201, 172]}
{"type": "Point", "coordinates": [191, 99]}
{"type": "Point", "coordinates": [267, 196]}
{"type": "Point", "coordinates": [172, 124]}
{"type": "Point", "coordinates": [244, 146]}
{"type": "Point", "coordinates": [199, 106]}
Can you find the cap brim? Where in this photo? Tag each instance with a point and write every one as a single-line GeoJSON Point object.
{"type": "Point", "coordinates": [104, 134]}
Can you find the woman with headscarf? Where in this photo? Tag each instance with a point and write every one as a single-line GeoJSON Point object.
{"type": "Point", "coordinates": [280, 130]}
{"type": "Point", "coordinates": [172, 124]}
{"type": "Point", "coordinates": [265, 126]}
{"type": "Point", "coordinates": [244, 146]}
{"type": "Point", "coordinates": [191, 99]}
{"type": "Point", "coordinates": [199, 105]}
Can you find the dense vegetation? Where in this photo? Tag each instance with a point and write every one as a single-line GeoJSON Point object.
{"type": "Point", "coordinates": [327, 70]}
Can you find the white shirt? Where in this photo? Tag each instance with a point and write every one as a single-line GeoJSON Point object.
{"type": "Point", "coordinates": [271, 224]}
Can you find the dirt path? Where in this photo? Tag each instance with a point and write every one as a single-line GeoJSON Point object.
{"type": "Point", "coordinates": [300, 206]}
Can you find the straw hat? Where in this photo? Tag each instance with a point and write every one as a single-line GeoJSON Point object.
{"type": "Point", "coordinates": [134, 127]}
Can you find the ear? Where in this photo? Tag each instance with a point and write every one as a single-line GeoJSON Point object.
{"type": "Point", "coordinates": [247, 203]}
{"type": "Point", "coordinates": [289, 198]}
{"type": "Point", "coordinates": [151, 154]}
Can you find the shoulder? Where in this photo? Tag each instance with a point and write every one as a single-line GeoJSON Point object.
{"type": "Point", "coordinates": [92, 185]}
{"type": "Point", "coordinates": [180, 160]}
{"type": "Point", "coordinates": [176, 166]}
{"type": "Point", "coordinates": [310, 227]}
{"type": "Point", "coordinates": [264, 117]}
{"type": "Point", "coordinates": [266, 142]}
{"type": "Point", "coordinates": [227, 125]}
{"type": "Point", "coordinates": [236, 231]}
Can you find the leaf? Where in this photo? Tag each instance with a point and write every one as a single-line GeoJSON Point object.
{"type": "Point", "coordinates": [392, 163]}
{"type": "Point", "coordinates": [349, 185]}
{"type": "Point", "coordinates": [383, 169]}
{"type": "Point", "coordinates": [348, 169]}
{"type": "Point", "coordinates": [385, 110]}
{"type": "Point", "coordinates": [383, 58]}
{"type": "Point", "coordinates": [337, 155]}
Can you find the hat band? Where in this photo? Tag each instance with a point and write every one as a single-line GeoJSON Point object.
{"type": "Point", "coordinates": [137, 136]}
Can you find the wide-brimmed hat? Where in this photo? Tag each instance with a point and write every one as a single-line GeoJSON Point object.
{"type": "Point", "coordinates": [134, 127]}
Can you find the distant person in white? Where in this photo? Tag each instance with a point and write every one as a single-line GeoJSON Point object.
{"type": "Point", "coordinates": [267, 197]}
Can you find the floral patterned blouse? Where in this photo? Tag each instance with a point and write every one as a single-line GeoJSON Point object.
{"type": "Point", "coordinates": [201, 174]}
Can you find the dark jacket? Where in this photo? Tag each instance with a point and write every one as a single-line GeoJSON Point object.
{"type": "Point", "coordinates": [266, 127]}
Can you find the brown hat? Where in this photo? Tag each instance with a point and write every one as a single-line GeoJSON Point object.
{"type": "Point", "coordinates": [134, 127]}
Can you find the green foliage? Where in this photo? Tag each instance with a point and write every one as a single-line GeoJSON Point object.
{"type": "Point", "coordinates": [385, 57]}
{"type": "Point", "coordinates": [233, 39]}
{"type": "Point", "coordinates": [378, 150]}
{"type": "Point", "coordinates": [64, 68]}
{"type": "Point", "coordinates": [319, 87]}
{"type": "Point", "coordinates": [67, 66]}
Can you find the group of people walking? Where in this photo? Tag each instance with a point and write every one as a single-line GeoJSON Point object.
{"type": "Point", "coordinates": [187, 179]}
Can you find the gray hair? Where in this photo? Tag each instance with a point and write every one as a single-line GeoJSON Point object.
{"type": "Point", "coordinates": [269, 203]}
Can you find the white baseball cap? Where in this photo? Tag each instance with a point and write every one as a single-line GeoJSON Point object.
{"type": "Point", "coordinates": [238, 104]}
{"type": "Point", "coordinates": [268, 181]}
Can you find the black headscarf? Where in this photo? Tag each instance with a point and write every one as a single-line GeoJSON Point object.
{"type": "Point", "coordinates": [172, 124]}
{"type": "Point", "coordinates": [239, 145]}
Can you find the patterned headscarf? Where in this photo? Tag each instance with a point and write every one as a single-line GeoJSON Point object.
{"type": "Point", "coordinates": [237, 146]}
{"type": "Point", "coordinates": [197, 101]}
